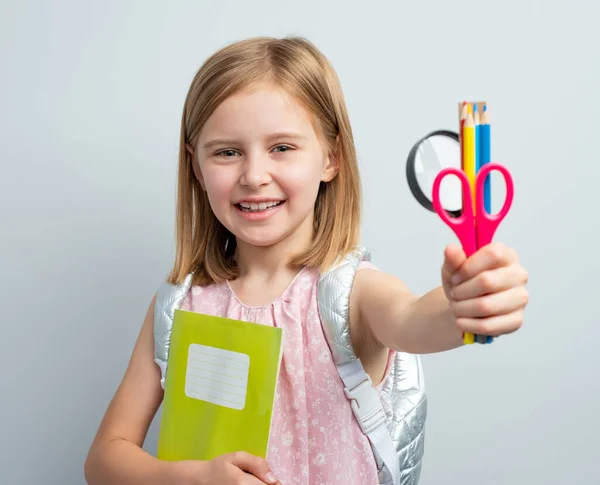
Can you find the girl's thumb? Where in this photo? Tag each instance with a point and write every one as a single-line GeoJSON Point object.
{"type": "Point", "coordinates": [256, 466]}
{"type": "Point", "coordinates": [454, 258]}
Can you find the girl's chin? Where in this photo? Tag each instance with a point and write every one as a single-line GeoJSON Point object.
{"type": "Point", "coordinates": [262, 241]}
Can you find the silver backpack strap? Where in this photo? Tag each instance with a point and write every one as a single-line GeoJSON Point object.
{"type": "Point", "coordinates": [168, 299]}
{"type": "Point", "coordinates": [334, 300]}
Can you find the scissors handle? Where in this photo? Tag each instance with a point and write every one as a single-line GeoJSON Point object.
{"type": "Point", "coordinates": [463, 225]}
{"type": "Point", "coordinates": [486, 223]}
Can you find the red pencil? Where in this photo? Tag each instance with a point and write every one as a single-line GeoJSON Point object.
{"type": "Point", "coordinates": [463, 116]}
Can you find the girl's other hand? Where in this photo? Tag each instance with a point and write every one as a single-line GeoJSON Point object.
{"type": "Point", "coordinates": [238, 468]}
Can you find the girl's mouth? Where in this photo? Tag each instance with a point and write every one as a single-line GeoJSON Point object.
{"type": "Point", "coordinates": [259, 206]}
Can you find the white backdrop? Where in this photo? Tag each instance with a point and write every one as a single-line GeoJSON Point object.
{"type": "Point", "coordinates": [91, 95]}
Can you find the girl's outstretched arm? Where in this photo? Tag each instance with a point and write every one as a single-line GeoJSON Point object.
{"type": "Point", "coordinates": [397, 319]}
{"type": "Point", "coordinates": [484, 294]}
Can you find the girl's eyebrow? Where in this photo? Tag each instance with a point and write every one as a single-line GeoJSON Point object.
{"type": "Point", "coordinates": [269, 138]}
{"type": "Point", "coordinates": [287, 135]}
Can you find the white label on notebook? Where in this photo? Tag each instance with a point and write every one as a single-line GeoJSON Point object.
{"type": "Point", "coordinates": [217, 376]}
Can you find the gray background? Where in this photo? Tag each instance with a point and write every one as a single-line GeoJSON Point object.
{"type": "Point", "coordinates": [91, 95]}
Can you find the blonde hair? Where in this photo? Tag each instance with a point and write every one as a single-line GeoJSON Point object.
{"type": "Point", "coordinates": [203, 244]}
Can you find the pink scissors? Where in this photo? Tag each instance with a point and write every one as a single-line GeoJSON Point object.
{"type": "Point", "coordinates": [473, 230]}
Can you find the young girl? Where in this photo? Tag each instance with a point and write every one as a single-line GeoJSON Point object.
{"type": "Point", "coordinates": [268, 198]}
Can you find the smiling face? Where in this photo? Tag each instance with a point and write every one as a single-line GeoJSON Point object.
{"type": "Point", "coordinates": [260, 161]}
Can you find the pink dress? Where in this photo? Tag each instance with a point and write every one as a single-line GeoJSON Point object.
{"type": "Point", "coordinates": [315, 439]}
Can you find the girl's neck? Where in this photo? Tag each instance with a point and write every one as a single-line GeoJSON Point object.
{"type": "Point", "coordinates": [266, 262]}
{"type": "Point", "coordinates": [264, 271]}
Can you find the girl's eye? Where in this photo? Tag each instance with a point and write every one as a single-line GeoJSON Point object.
{"type": "Point", "coordinates": [227, 153]}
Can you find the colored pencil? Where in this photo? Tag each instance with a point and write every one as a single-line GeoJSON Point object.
{"type": "Point", "coordinates": [469, 169]}
{"type": "Point", "coordinates": [477, 149]}
{"type": "Point", "coordinates": [463, 109]}
{"type": "Point", "coordinates": [469, 153]}
{"type": "Point", "coordinates": [462, 117]}
{"type": "Point", "coordinates": [485, 151]}
{"type": "Point", "coordinates": [477, 165]}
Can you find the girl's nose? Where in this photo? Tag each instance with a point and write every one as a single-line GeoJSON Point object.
{"type": "Point", "coordinates": [256, 172]}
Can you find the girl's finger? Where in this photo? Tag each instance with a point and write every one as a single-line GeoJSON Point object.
{"type": "Point", "coordinates": [492, 326]}
{"type": "Point", "coordinates": [492, 256]}
{"type": "Point", "coordinates": [491, 281]}
{"type": "Point", "coordinates": [500, 303]}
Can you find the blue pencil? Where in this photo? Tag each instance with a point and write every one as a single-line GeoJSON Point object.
{"type": "Point", "coordinates": [485, 150]}
{"type": "Point", "coordinates": [485, 156]}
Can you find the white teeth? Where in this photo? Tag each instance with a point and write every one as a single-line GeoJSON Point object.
{"type": "Point", "coordinates": [258, 206]}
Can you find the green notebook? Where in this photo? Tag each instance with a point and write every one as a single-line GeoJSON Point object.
{"type": "Point", "coordinates": [220, 387]}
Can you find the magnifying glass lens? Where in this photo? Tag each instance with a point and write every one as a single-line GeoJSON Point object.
{"type": "Point", "coordinates": [428, 157]}
{"type": "Point", "coordinates": [433, 155]}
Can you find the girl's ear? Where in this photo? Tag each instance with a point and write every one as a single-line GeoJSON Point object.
{"type": "Point", "coordinates": [332, 163]}
{"type": "Point", "coordinates": [195, 166]}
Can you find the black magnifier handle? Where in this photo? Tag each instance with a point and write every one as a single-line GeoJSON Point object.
{"type": "Point", "coordinates": [411, 174]}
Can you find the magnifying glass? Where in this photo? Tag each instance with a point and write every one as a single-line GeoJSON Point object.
{"type": "Point", "coordinates": [428, 157]}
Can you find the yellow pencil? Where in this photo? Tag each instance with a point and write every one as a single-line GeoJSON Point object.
{"type": "Point", "coordinates": [470, 171]}
{"type": "Point", "coordinates": [469, 153]}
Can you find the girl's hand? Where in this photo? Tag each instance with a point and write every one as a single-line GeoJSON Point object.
{"type": "Point", "coordinates": [238, 468]}
{"type": "Point", "coordinates": [487, 290]}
